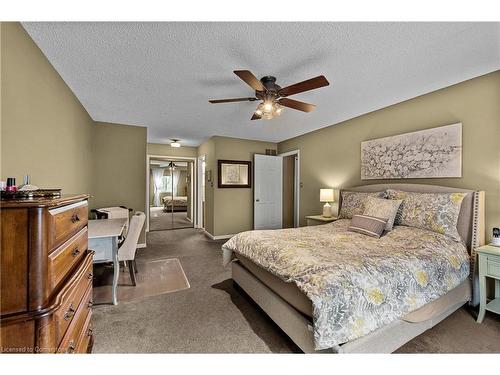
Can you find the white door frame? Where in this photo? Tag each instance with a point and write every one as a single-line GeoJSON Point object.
{"type": "Point", "coordinates": [194, 198]}
{"type": "Point", "coordinates": [297, 184]}
{"type": "Point", "coordinates": [199, 195]}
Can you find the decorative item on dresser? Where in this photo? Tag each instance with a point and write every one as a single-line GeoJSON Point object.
{"type": "Point", "coordinates": [46, 276]}
{"type": "Point", "coordinates": [319, 219]}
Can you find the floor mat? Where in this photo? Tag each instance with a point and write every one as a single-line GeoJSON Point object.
{"type": "Point", "coordinates": [154, 277]}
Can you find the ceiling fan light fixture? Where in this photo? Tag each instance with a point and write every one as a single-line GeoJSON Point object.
{"type": "Point", "coordinates": [267, 107]}
{"type": "Point", "coordinates": [274, 97]}
{"type": "Point", "coordinates": [277, 109]}
{"type": "Point", "coordinates": [175, 143]}
{"type": "Point", "coordinates": [269, 110]}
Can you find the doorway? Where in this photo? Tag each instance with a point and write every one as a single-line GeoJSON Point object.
{"type": "Point", "coordinates": [171, 200]}
{"type": "Point", "coordinates": [291, 189]}
{"type": "Point", "coordinates": [277, 190]}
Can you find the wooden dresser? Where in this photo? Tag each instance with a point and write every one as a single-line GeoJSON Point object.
{"type": "Point", "coordinates": [46, 276]}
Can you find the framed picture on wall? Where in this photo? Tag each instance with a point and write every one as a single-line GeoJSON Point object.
{"type": "Point", "coordinates": [234, 174]}
{"type": "Point", "coordinates": [429, 153]}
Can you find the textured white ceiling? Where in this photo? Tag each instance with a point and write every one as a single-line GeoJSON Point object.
{"type": "Point", "coordinates": [161, 75]}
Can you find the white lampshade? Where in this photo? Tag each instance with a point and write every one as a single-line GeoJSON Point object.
{"type": "Point", "coordinates": [326, 195]}
{"type": "Point", "coordinates": [175, 143]}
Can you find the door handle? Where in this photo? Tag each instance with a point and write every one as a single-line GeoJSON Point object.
{"type": "Point", "coordinates": [257, 200]}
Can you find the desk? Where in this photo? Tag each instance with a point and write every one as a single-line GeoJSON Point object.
{"type": "Point", "coordinates": [103, 239]}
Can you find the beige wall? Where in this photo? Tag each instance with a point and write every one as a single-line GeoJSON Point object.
{"type": "Point", "coordinates": [167, 150]}
{"type": "Point", "coordinates": [46, 132]}
{"type": "Point", "coordinates": [229, 211]}
{"type": "Point", "coordinates": [330, 157]}
{"type": "Point", "coordinates": [119, 166]}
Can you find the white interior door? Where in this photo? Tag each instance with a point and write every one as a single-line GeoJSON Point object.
{"type": "Point", "coordinates": [268, 191]}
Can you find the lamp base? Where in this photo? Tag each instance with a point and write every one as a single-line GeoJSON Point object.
{"type": "Point", "coordinates": [327, 210]}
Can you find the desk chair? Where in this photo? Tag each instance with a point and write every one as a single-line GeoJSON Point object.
{"type": "Point", "coordinates": [126, 251]}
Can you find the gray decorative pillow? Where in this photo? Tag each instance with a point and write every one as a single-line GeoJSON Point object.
{"type": "Point", "coordinates": [353, 203]}
{"type": "Point", "coordinates": [369, 225]}
{"type": "Point", "coordinates": [437, 212]}
{"type": "Point", "coordinates": [383, 208]}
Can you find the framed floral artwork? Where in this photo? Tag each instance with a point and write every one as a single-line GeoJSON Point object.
{"type": "Point", "coordinates": [430, 153]}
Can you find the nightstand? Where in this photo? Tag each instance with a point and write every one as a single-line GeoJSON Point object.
{"type": "Point", "coordinates": [319, 219]}
{"type": "Point", "coordinates": [489, 266]}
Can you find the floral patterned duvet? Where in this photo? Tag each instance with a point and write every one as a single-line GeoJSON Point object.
{"type": "Point", "coordinates": [357, 283]}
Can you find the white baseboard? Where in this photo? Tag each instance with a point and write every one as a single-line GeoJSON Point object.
{"type": "Point", "coordinates": [141, 245]}
{"type": "Point", "coordinates": [219, 237]}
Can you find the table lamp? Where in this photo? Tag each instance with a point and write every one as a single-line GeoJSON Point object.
{"type": "Point", "coordinates": [326, 195]}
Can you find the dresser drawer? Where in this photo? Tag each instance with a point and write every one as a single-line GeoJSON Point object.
{"type": "Point", "coordinates": [63, 259]}
{"type": "Point", "coordinates": [66, 313]}
{"type": "Point", "coordinates": [493, 268]}
{"type": "Point", "coordinates": [82, 346]}
{"type": "Point", "coordinates": [53, 326]}
{"type": "Point", "coordinates": [65, 221]}
{"type": "Point", "coordinates": [78, 327]}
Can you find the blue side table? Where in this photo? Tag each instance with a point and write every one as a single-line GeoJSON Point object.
{"type": "Point", "coordinates": [489, 266]}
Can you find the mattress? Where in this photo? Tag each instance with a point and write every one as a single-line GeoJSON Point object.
{"type": "Point", "coordinates": [292, 295]}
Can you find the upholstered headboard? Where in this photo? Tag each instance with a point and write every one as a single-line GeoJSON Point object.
{"type": "Point", "coordinates": [471, 219]}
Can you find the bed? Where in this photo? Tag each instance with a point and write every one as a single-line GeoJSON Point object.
{"type": "Point", "coordinates": [177, 203]}
{"type": "Point", "coordinates": [285, 273]}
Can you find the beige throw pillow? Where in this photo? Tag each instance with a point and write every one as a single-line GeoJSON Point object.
{"type": "Point", "coordinates": [369, 225]}
{"type": "Point", "coordinates": [353, 202]}
{"type": "Point", "coordinates": [382, 208]}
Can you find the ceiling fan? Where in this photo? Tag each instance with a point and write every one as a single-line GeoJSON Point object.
{"type": "Point", "coordinates": [274, 97]}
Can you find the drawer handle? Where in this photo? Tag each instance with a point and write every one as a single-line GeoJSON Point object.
{"type": "Point", "coordinates": [90, 276]}
{"type": "Point", "coordinates": [75, 251]}
{"type": "Point", "coordinates": [69, 314]}
{"type": "Point", "coordinates": [75, 218]}
{"type": "Point", "coordinates": [71, 347]}
{"type": "Point", "coordinates": [90, 304]}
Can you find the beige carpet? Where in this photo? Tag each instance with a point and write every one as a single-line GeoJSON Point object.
{"type": "Point", "coordinates": [214, 317]}
{"type": "Point", "coordinates": [154, 278]}
{"type": "Point", "coordinates": [160, 220]}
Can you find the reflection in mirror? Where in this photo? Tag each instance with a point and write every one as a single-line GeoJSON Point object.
{"type": "Point", "coordinates": [171, 203]}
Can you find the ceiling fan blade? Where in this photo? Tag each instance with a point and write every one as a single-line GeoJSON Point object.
{"type": "Point", "coordinates": [255, 117]}
{"type": "Point", "coordinates": [295, 104]}
{"type": "Point", "coordinates": [310, 84]}
{"type": "Point", "coordinates": [248, 77]}
{"type": "Point", "coordinates": [215, 101]}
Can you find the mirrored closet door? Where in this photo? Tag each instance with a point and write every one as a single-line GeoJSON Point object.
{"type": "Point", "coordinates": [171, 203]}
